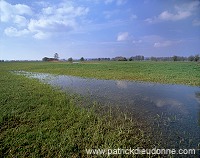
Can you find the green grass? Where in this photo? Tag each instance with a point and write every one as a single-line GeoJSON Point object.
{"type": "Point", "coordinates": [187, 73]}
{"type": "Point", "coordinates": [39, 121]}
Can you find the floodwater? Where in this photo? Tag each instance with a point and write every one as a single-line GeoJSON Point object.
{"type": "Point", "coordinates": [171, 111]}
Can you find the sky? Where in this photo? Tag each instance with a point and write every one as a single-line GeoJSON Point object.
{"type": "Point", "coordinates": [31, 30]}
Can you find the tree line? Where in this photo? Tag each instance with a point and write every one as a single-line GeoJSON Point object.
{"type": "Point", "coordinates": [56, 58]}
{"type": "Point", "coordinates": [176, 58]}
{"type": "Point", "coordinates": [132, 58]}
{"type": "Point", "coordinates": [173, 58]}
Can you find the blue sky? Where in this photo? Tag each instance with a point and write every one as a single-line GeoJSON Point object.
{"type": "Point", "coordinates": [31, 30]}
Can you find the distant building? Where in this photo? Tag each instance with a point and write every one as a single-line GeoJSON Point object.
{"type": "Point", "coordinates": [49, 59]}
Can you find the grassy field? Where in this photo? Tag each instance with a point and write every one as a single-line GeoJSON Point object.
{"type": "Point", "coordinates": [187, 73]}
{"type": "Point", "coordinates": [39, 121]}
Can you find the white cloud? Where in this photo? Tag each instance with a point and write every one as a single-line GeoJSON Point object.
{"type": "Point", "coordinates": [165, 43]}
{"type": "Point", "coordinates": [117, 2]}
{"type": "Point", "coordinates": [49, 20]}
{"type": "Point", "coordinates": [109, 14]}
{"type": "Point", "coordinates": [196, 22]}
{"type": "Point", "coordinates": [151, 39]}
{"type": "Point", "coordinates": [41, 35]}
{"type": "Point", "coordinates": [62, 18]}
{"type": "Point", "coordinates": [11, 31]}
{"type": "Point", "coordinates": [180, 12]}
{"type": "Point", "coordinates": [137, 41]}
{"type": "Point", "coordinates": [89, 27]}
{"type": "Point", "coordinates": [9, 12]}
{"type": "Point", "coordinates": [120, 2]}
{"type": "Point", "coordinates": [20, 20]}
{"type": "Point", "coordinates": [133, 16]}
{"type": "Point", "coordinates": [167, 16]}
{"type": "Point", "coordinates": [108, 1]}
{"type": "Point", "coordinates": [122, 36]}
{"type": "Point", "coordinates": [51, 24]}
{"type": "Point", "coordinates": [22, 9]}
{"type": "Point", "coordinates": [48, 10]}
{"type": "Point", "coordinates": [156, 41]}
{"type": "Point", "coordinates": [42, 3]}
{"type": "Point", "coordinates": [162, 44]}
{"type": "Point", "coordinates": [192, 6]}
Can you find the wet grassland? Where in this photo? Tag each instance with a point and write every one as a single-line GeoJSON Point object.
{"type": "Point", "coordinates": [37, 120]}
{"type": "Point", "coordinates": [187, 73]}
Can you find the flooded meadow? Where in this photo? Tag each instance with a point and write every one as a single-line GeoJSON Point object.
{"type": "Point", "coordinates": [171, 112]}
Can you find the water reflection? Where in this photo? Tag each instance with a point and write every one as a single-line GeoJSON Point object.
{"type": "Point", "coordinates": [121, 84]}
{"type": "Point", "coordinates": [174, 110]}
{"type": "Point", "coordinates": [198, 99]}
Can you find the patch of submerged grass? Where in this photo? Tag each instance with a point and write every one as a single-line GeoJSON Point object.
{"type": "Point", "coordinates": [38, 121]}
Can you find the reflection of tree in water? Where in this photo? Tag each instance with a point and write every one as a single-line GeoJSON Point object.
{"type": "Point", "coordinates": [198, 99]}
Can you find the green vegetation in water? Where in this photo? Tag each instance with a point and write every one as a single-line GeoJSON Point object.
{"type": "Point", "coordinates": [187, 73]}
{"type": "Point", "coordinates": [39, 121]}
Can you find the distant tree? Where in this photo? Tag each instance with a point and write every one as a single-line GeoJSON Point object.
{"type": "Point", "coordinates": [175, 58]}
{"type": "Point", "coordinates": [56, 56]}
{"type": "Point", "coordinates": [45, 59]}
{"type": "Point", "coordinates": [137, 58]}
{"type": "Point", "coordinates": [153, 59]}
{"type": "Point", "coordinates": [191, 58]}
{"type": "Point", "coordinates": [103, 59]}
{"type": "Point", "coordinates": [181, 58]}
{"type": "Point", "coordinates": [164, 58]}
{"type": "Point", "coordinates": [82, 59]}
{"type": "Point", "coordinates": [120, 58]}
{"type": "Point", "coordinates": [196, 57]}
{"type": "Point", "coordinates": [70, 59]}
{"type": "Point", "coordinates": [131, 58]}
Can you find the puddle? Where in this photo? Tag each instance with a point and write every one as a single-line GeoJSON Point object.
{"type": "Point", "coordinates": [171, 111]}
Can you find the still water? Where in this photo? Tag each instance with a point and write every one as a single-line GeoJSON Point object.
{"type": "Point", "coordinates": [172, 112]}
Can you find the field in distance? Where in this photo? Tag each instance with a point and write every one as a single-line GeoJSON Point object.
{"type": "Point", "coordinates": [187, 73]}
